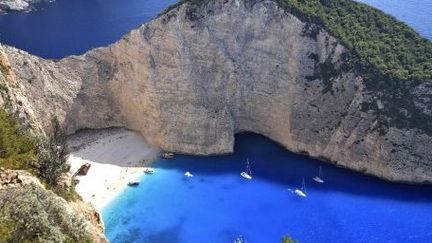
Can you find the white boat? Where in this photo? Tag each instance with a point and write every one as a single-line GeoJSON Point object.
{"type": "Point", "coordinates": [133, 183]}
{"type": "Point", "coordinates": [301, 192]}
{"type": "Point", "coordinates": [188, 174]}
{"type": "Point", "coordinates": [149, 171]}
{"type": "Point", "coordinates": [248, 173]}
{"type": "Point", "coordinates": [239, 240]}
{"type": "Point", "coordinates": [319, 177]}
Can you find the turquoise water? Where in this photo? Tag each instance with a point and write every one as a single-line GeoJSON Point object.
{"type": "Point", "coordinates": [217, 205]}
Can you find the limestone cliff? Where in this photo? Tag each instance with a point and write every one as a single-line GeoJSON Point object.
{"type": "Point", "coordinates": [18, 5]}
{"type": "Point", "coordinates": [200, 73]}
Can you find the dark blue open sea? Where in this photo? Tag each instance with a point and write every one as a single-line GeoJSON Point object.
{"type": "Point", "coordinates": [217, 205]}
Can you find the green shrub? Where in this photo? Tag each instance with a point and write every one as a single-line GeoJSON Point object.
{"type": "Point", "coordinates": [18, 150]}
{"type": "Point", "coordinates": [31, 214]}
{"type": "Point", "coordinates": [380, 41]}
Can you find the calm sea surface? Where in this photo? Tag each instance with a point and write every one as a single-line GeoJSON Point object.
{"type": "Point", "coordinates": [67, 27]}
{"type": "Point", "coordinates": [217, 205]}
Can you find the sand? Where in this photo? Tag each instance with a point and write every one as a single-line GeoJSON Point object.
{"type": "Point", "coordinates": [117, 156]}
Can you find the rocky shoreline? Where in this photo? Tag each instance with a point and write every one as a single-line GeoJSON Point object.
{"type": "Point", "coordinates": [19, 5]}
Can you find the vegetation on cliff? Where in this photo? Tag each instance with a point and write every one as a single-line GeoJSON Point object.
{"type": "Point", "coordinates": [391, 57]}
{"type": "Point", "coordinates": [32, 214]}
{"type": "Point", "coordinates": [378, 39]}
{"type": "Point", "coordinates": [18, 150]}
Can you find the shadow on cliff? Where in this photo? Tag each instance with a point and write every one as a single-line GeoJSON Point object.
{"type": "Point", "coordinates": [273, 163]}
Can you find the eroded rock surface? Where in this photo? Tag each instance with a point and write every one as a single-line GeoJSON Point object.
{"type": "Point", "coordinates": [196, 75]}
{"type": "Point", "coordinates": [18, 5]}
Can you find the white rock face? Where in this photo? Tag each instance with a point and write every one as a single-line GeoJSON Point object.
{"type": "Point", "coordinates": [195, 76]}
{"type": "Point", "coordinates": [18, 5]}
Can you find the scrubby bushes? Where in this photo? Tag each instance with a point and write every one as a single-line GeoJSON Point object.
{"type": "Point", "coordinates": [42, 157]}
{"type": "Point", "coordinates": [32, 214]}
{"type": "Point", "coordinates": [18, 150]}
{"type": "Point", "coordinates": [380, 41]}
{"type": "Point", "coordinates": [391, 57]}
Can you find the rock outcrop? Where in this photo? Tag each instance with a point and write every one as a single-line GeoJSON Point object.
{"type": "Point", "coordinates": [200, 73]}
{"type": "Point", "coordinates": [18, 5]}
{"type": "Point", "coordinates": [12, 181]}
{"type": "Point", "coordinates": [12, 178]}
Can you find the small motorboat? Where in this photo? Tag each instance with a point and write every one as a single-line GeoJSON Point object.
{"type": "Point", "coordinates": [167, 155]}
{"type": "Point", "coordinates": [188, 174]}
{"type": "Point", "coordinates": [301, 192]}
{"type": "Point", "coordinates": [319, 177]}
{"type": "Point", "coordinates": [248, 173]}
{"type": "Point", "coordinates": [133, 183]}
{"type": "Point", "coordinates": [148, 171]}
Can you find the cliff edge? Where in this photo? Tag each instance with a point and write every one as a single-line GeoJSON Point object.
{"type": "Point", "coordinates": [205, 70]}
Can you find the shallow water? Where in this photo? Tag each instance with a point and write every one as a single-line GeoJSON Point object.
{"type": "Point", "coordinates": [217, 205]}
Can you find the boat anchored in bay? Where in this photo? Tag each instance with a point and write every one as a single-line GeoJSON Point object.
{"type": "Point", "coordinates": [248, 173]}
{"type": "Point", "coordinates": [301, 192]}
{"type": "Point", "coordinates": [319, 177]}
{"type": "Point", "coordinates": [188, 174]}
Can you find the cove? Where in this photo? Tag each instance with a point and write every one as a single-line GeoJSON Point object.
{"type": "Point", "coordinates": [217, 205]}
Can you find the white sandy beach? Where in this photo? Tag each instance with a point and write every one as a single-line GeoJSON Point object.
{"type": "Point", "coordinates": [117, 156]}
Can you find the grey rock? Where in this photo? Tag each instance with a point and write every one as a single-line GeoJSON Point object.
{"type": "Point", "coordinates": [19, 5]}
{"type": "Point", "coordinates": [195, 76]}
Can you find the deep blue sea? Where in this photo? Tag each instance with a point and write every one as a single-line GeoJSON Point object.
{"type": "Point", "coordinates": [217, 205]}
{"type": "Point", "coordinates": [67, 27]}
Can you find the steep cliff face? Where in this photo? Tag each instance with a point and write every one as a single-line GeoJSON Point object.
{"type": "Point", "coordinates": [196, 75]}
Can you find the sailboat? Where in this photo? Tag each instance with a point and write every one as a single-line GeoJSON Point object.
{"type": "Point", "coordinates": [248, 173]}
{"type": "Point", "coordinates": [188, 174]}
{"type": "Point", "coordinates": [301, 192]}
{"type": "Point", "coordinates": [319, 177]}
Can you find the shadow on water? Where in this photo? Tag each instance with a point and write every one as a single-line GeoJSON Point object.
{"type": "Point", "coordinates": [273, 163]}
